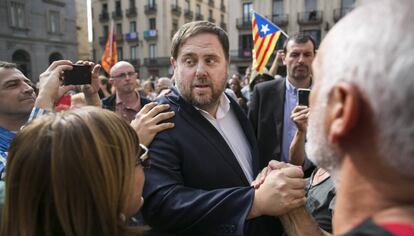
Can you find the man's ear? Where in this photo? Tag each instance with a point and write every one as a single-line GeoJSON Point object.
{"type": "Point", "coordinates": [173, 62]}
{"type": "Point", "coordinates": [343, 111]}
{"type": "Point", "coordinates": [284, 58]}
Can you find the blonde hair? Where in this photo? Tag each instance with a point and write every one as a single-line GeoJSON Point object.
{"type": "Point", "coordinates": [70, 173]}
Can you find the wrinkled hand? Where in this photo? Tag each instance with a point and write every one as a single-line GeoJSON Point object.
{"type": "Point", "coordinates": [282, 190]}
{"type": "Point", "coordinates": [147, 121]}
{"type": "Point", "coordinates": [50, 89]}
{"type": "Point", "coordinates": [272, 165]}
{"type": "Point", "coordinates": [300, 116]}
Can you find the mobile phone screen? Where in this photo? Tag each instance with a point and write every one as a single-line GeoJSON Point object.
{"type": "Point", "coordinates": [303, 97]}
{"type": "Point", "coordinates": [80, 74]}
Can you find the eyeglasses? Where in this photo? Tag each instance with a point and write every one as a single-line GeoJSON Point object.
{"type": "Point", "coordinates": [124, 75]}
{"type": "Point", "coordinates": [142, 157]}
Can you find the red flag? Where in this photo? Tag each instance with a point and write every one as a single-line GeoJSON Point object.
{"type": "Point", "coordinates": [110, 55]}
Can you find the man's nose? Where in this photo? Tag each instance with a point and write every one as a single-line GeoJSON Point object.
{"type": "Point", "coordinates": [301, 58]}
{"type": "Point", "coordinates": [27, 88]}
{"type": "Point", "coordinates": [200, 71]}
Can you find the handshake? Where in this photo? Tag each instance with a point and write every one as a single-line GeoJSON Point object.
{"type": "Point", "coordinates": [279, 188]}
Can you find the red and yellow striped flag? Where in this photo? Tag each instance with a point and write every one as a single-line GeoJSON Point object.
{"type": "Point", "coordinates": [110, 55]}
{"type": "Point", "coordinates": [265, 36]}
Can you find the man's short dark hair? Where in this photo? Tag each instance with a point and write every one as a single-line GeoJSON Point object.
{"type": "Point", "coordinates": [7, 65]}
{"type": "Point", "coordinates": [198, 27]}
{"type": "Point", "coordinates": [301, 38]}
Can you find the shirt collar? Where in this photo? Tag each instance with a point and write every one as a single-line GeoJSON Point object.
{"type": "Point", "coordinates": [135, 107]}
{"type": "Point", "coordinates": [222, 110]}
{"type": "Point", "coordinates": [290, 88]}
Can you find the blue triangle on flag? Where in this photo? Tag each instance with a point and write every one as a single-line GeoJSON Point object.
{"type": "Point", "coordinates": [264, 26]}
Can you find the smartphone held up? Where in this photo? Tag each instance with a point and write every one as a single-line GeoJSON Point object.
{"type": "Point", "coordinates": [80, 74]}
{"type": "Point", "coordinates": [303, 97]}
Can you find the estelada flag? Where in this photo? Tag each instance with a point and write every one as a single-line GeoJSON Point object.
{"type": "Point", "coordinates": [110, 55]}
{"type": "Point", "coordinates": [265, 35]}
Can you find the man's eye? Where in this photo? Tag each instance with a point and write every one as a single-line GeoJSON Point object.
{"type": "Point", "coordinates": [189, 61]}
{"type": "Point", "coordinates": [11, 85]}
{"type": "Point", "coordinates": [210, 61]}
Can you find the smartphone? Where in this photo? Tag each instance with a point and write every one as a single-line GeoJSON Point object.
{"type": "Point", "coordinates": [80, 74]}
{"type": "Point", "coordinates": [303, 97]}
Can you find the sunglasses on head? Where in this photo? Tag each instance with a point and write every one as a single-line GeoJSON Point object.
{"type": "Point", "coordinates": [142, 157]}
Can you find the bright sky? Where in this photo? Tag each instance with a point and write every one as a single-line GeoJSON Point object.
{"type": "Point", "coordinates": [89, 14]}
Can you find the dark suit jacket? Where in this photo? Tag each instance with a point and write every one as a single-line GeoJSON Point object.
{"type": "Point", "coordinates": [110, 102]}
{"type": "Point", "coordinates": [266, 111]}
{"type": "Point", "coordinates": [195, 185]}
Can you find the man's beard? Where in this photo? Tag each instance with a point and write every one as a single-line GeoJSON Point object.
{"type": "Point", "coordinates": [318, 148]}
{"type": "Point", "coordinates": [203, 101]}
{"type": "Point", "coordinates": [302, 76]}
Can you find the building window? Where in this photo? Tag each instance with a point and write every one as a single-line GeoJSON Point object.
{"type": "Point", "coordinates": [187, 5]}
{"type": "Point", "coordinates": [210, 14]}
{"type": "Point", "coordinates": [247, 7]}
{"type": "Point", "coordinates": [120, 53]}
{"type": "Point", "coordinates": [278, 7]}
{"type": "Point", "coordinates": [198, 9]}
{"type": "Point", "coordinates": [152, 51]}
{"type": "Point", "coordinates": [152, 24]}
{"type": "Point", "coordinates": [131, 3]}
{"type": "Point", "coordinates": [17, 14]}
{"type": "Point", "coordinates": [133, 52]}
{"type": "Point", "coordinates": [118, 6]}
{"type": "Point", "coordinates": [151, 3]}
{"type": "Point", "coordinates": [246, 43]}
{"type": "Point", "coordinates": [104, 7]}
{"type": "Point", "coordinates": [54, 21]}
{"type": "Point", "coordinates": [133, 26]}
{"type": "Point", "coordinates": [347, 4]}
{"type": "Point", "coordinates": [175, 25]}
{"type": "Point", "coordinates": [119, 28]}
{"type": "Point", "coordinates": [105, 31]}
{"type": "Point", "coordinates": [310, 5]}
{"type": "Point", "coordinates": [222, 18]}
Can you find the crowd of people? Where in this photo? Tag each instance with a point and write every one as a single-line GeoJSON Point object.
{"type": "Point", "coordinates": [205, 153]}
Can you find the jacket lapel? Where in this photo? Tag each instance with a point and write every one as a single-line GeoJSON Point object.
{"type": "Point", "coordinates": [209, 132]}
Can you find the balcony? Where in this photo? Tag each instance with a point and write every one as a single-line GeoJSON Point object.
{"type": "Point", "coordinates": [341, 12]}
{"type": "Point", "coordinates": [131, 37]}
{"type": "Point", "coordinates": [150, 34]}
{"type": "Point", "coordinates": [212, 20]}
{"type": "Point", "coordinates": [223, 26]}
{"type": "Point", "coordinates": [102, 40]}
{"type": "Point", "coordinates": [117, 14]}
{"type": "Point", "coordinates": [131, 12]}
{"type": "Point", "coordinates": [157, 61]}
{"type": "Point", "coordinates": [199, 16]}
{"type": "Point", "coordinates": [175, 9]}
{"type": "Point", "coordinates": [280, 19]}
{"type": "Point", "coordinates": [310, 17]}
{"type": "Point", "coordinates": [188, 14]}
{"type": "Point", "coordinates": [223, 8]}
{"type": "Point", "coordinates": [150, 8]}
{"type": "Point", "coordinates": [104, 16]}
{"type": "Point", "coordinates": [244, 24]}
{"type": "Point", "coordinates": [211, 3]}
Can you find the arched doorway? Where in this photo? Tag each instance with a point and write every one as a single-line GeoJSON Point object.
{"type": "Point", "coordinates": [22, 59]}
{"type": "Point", "coordinates": [55, 57]}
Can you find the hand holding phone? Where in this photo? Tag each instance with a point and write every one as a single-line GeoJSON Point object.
{"type": "Point", "coordinates": [303, 97]}
{"type": "Point", "coordinates": [80, 74]}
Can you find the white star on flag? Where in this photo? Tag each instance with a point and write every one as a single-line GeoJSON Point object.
{"type": "Point", "coordinates": [265, 28]}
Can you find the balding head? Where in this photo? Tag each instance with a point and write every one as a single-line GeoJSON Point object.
{"type": "Point", "coordinates": [372, 50]}
{"type": "Point", "coordinates": [123, 78]}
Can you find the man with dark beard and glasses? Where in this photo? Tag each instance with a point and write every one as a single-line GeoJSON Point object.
{"type": "Point", "coordinates": [202, 169]}
{"type": "Point", "coordinates": [272, 102]}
